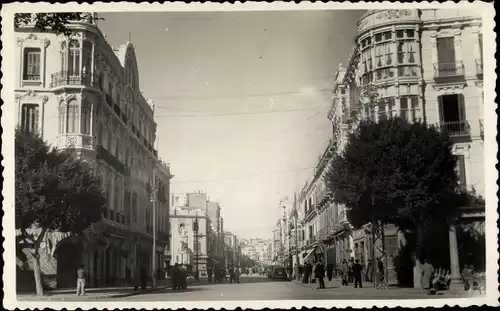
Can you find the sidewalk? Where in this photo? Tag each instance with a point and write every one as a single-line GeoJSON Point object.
{"type": "Point", "coordinates": [336, 287]}
{"type": "Point", "coordinates": [99, 293]}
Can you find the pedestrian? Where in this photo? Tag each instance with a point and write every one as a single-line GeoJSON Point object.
{"type": "Point", "coordinates": [237, 275]}
{"type": "Point", "coordinates": [350, 264]}
{"type": "Point", "coordinates": [380, 273]}
{"type": "Point", "coordinates": [80, 281]}
{"type": "Point", "coordinates": [427, 271]}
{"type": "Point", "coordinates": [356, 273]}
{"type": "Point", "coordinates": [209, 275]}
{"type": "Point", "coordinates": [344, 272]}
{"type": "Point", "coordinates": [368, 274]}
{"type": "Point", "coordinates": [319, 274]}
{"type": "Point", "coordinates": [329, 271]}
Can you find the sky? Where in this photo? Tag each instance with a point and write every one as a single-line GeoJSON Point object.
{"type": "Point", "coordinates": [241, 100]}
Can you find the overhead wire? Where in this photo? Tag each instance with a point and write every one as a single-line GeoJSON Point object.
{"type": "Point", "coordinates": [238, 113]}
{"type": "Point", "coordinates": [242, 177]}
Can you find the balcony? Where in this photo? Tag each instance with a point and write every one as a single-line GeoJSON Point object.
{"type": "Point", "coordinates": [110, 159]}
{"type": "Point", "coordinates": [479, 67]}
{"type": "Point", "coordinates": [65, 78]}
{"type": "Point", "coordinates": [456, 128]}
{"type": "Point", "coordinates": [449, 70]}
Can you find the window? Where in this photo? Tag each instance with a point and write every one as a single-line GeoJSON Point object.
{"type": "Point", "coordinates": [452, 114]}
{"type": "Point", "coordinates": [401, 53]}
{"type": "Point", "coordinates": [87, 57]}
{"type": "Point", "coordinates": [31, 69]}
{"type": "Point", "coordinates": [73, 117]}
{"type": "Point", "coordinates": [460, 169]}
{"type": "Point", "coordinates": [410, 33]}
{"type": "Point", "coordinates": [388, 54]}
{"type": "Point", "coordinates": [415, 109]}
{"type": "Point", "coordinates": [403, 108]}
{"type": "Point", "coordinates": [446, 50]}
{"type": "Point", "coordinates": [86, 119]}
{"type": "Point", "coordinates": [378, 37]}
{"type": "Point", "coordinates": [411, 52]}
{"type": "Point", "coordinates": [400, 34]}
{"type": "Point", "coordinates": [64, 56]}
{"type": "Point", "coordinates": [387, 35]}
{"type": "Point", "coordinates": [74, 58]}
{"type": "Point", "coordinates": [410, 113]}
{"type": "Point", "coordinates": [407, 71]}
{"type": "Point", "coordinates": [29, 117]}
{"type": "Point", "coordinates": [382, 113]}
{"type": "Point", "coordinates": [379, 55]}
{"type": "Point", "coordinates": [391, 106]}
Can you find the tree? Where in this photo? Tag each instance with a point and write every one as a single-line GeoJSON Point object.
{"type": "Point", "coordinates": [55, 22]}
{"type": "Point", "coordinates": [54, 191]}
{"type": "Point", "coordinates": [401, 173]}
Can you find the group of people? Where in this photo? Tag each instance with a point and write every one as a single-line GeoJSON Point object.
{"type": "Point", "coordinates": [312, 272]}
{"type": "Point", "coordinates": [221, 275]}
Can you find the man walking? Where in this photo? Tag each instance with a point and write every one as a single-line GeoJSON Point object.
{"type": "Point", "coordinates": [319, 274]}
{"type": "Point", "coordinates": [80, 282]}
{"type": "Point", "coordinates": [356, 273]}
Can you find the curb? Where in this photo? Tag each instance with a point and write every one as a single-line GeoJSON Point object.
{"type": "Point", "coordinates": [98, 297]}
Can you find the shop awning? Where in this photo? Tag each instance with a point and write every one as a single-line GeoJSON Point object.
{"type": "Point", "coordinates": [308, 254]}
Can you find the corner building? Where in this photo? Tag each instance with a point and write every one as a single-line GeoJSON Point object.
{"type": "Point", "coordinates": [80, 92]}
{"type": "Point", "coordinates": [426, 65]}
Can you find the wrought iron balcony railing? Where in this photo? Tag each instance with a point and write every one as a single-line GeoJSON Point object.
{"type": "Point", "coordinates": [456, 128]}
{"type": "Point", "coordinates": [448, 69]}
{"type": "Point", "coordinates": [65, 78]}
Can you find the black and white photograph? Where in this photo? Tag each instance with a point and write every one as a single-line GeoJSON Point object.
{"type": "Point", "coordinates": [249, 155]}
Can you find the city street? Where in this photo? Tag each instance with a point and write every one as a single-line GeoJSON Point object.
{"type": "Point", "coordinates": [261, 288]}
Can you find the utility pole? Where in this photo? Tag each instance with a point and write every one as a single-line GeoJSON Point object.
{"type": "Point", "coordinates": [296, 244]}
{"type": "Point", "coordinates": [196, 248]}
{"type": "Point", "coordinates": [154, 200]}
{"type": "Point", "coordinates": [154, 197]}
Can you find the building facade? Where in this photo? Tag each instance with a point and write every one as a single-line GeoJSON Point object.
{"type": "Point", "coordinates": [427, 65]}
{"type": "Point", "coordinates": [82, 93]}
{"type": "Point", "coordinates": [189, 238]}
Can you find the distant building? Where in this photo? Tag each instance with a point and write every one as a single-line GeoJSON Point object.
{"type": "Point", "coordinates": [188, 245]}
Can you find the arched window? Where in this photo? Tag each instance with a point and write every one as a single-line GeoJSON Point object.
{"type": "Point", "coordinates": [87, 57]}
{"type": "Point", "coordinates": [85, 118]}
{"type": "Point", "coordinates": [64, 56]}
{"type": "Point", "coordinates": [62, 118]}
{"type": "Point", "coordinates": [73, 117]}
{"type": "Point", "coordinates": [74, 58]}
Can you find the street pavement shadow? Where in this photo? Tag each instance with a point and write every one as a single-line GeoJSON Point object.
{"type": "Point", "coordinates": [243, 280]}
{"type": "Point", "coordinates": [187, 290]}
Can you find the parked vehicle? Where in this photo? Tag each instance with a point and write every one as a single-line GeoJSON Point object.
{"type": "Point", "coordinates": [279, 273]}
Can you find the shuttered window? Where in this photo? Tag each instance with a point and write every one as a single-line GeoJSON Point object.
{"type": "Point", "coordinates": [32, 58]}
{"type": "Point", "coordinates": [29, 117]}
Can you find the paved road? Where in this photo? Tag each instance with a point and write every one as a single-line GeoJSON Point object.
{"type": "Point", "coordinates": [261, 288]}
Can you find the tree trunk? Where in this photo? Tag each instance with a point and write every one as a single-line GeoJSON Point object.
{"type": "Point", "coordinates": [417, 264]}
{"type": "Point", "coordinates": [37, 272]}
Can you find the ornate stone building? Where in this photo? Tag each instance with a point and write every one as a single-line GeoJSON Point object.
{"type": "Point", "coordinates": [423, 65]}
{"type": "Point", "coordinates": [82, 93]}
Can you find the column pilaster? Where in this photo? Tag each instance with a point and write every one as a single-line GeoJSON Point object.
{"type": "Point", "coordinates": [454, 262]}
